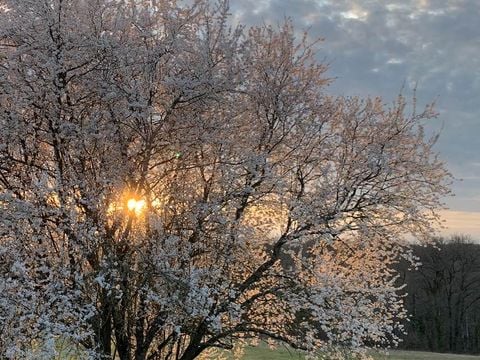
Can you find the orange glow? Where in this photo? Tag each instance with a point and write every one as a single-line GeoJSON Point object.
{"type": "Point", "coordinates": [136, 205]}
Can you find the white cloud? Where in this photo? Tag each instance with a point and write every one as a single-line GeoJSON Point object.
{"type": "Point", "coordinates": [394, 61]}
{"type": "Point", "coordinates": [355, 12]}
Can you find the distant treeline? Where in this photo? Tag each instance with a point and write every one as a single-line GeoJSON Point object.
{"type": "Point", "coordinates": [443, 297]}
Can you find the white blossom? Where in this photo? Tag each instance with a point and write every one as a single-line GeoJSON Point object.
{"type": "Point", "coordinates": [268, 208]}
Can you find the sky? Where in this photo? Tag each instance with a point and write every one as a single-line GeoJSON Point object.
{"type": "Point", "coordinates": [378, 48]}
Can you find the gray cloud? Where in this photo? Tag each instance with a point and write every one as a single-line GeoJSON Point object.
{"type": "Point", "coordinates": [376, 46]}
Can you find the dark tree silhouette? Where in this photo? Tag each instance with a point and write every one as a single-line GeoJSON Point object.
{"type": "Point", "coordinates": [443, 297]}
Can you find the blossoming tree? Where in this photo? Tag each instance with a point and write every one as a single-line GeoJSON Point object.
{"type": "Point", "coordinates": [170, 184]}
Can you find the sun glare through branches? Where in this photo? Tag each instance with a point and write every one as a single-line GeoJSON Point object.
{"type": "Point", "coordinates": [167, 192]}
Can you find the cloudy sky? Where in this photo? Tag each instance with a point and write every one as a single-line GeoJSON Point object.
{"type": "Point", "coordinates": [374, 47]}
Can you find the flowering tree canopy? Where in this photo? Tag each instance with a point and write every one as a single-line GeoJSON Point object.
{"type": "Point", "coordinates": [171, 184]}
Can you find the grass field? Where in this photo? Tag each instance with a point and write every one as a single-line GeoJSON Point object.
{"type": "Point", "coordinates": [418, 355]}
{"type": "Point", "coordinates": [263, 353]}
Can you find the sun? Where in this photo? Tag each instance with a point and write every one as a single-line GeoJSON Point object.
{"type": "Point", "coordinates": [136, 205]}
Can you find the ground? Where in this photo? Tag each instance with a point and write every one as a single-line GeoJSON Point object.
{"type": "Point", "coordinates": [263, 353]}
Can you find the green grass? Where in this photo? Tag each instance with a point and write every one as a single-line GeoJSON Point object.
{"type": "Point", "coordinates": [419, 355]}
{"type": "Point", "coordinates": [264, 353]}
